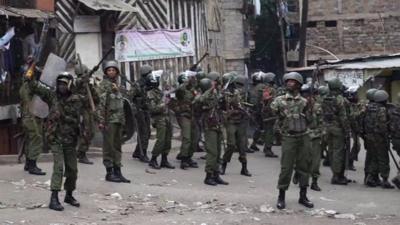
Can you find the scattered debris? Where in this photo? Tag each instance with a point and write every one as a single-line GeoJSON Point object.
{"type": "Point", "coordinates": [266, 209]}
{"type": "Point", "coordinates": [150, 172]}
{"type": "Point", "coordinates": [327, 199]}
{"type": "Point", "coordinates": [256, 219]}
{"type": "Point", "coordinates": [345, 216]}
{"type": "Point", "coordinates": [116, 195]}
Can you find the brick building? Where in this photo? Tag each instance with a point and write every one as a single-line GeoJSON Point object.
{"type": "Point", "coordinates": [347, 28]}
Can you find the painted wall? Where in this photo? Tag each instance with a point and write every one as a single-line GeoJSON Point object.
{"type": "Point", "coordinates": [46, 5]}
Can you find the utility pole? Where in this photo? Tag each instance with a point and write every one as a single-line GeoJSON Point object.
{"type": "Point", "coordinates": [303, 33]}
{"type": "Point", "coordinates": [282, 33]}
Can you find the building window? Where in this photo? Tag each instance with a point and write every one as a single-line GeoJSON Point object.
{"type": "Point", "coordinates": [312, 24]}
{"type": "Point", "coordinates": [331, 23]}
{"type": "Point", "coordinates": [292, 5]}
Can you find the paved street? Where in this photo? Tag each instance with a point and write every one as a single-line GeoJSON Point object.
{"type": "Point", "coordinates": [180, 197]}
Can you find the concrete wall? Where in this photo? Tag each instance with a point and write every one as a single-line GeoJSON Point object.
{"type": "Point", "coordinates": [235, 47]}
{"type": "Point", "coordinates": [352, 28]}
{"type": "Point", "coordinates": [47, 5]}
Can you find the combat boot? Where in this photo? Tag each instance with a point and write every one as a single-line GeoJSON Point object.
{"type": "Point", "coordinates": [254, 147]}
{"type": "Point", "coordinates": [370, 181]}
{"type": "Point", "coordinates": [179, 156]}
{"type": "Point", "coordinates": [314, 185]}
{"type": "Point", "coordinates": [223, 168]}
{"type": "Point", "coordinates": [192, 163]}
{"type": "Point", "coordinates": [396, 181]}
{"type": "Point", "coordinates": [136, 154]}
{"type": "Point", "coordinates": [269, 153]}
{"type": "Point", "coordinates": [71, 200]}
{"type": "Point", "coordinates": [209, 180]}
{"type": "Point", "coordinates": [26, 166]}
{"type": "Point", "coordinates": [281, 199]}
{"type": "Point", "coordinates": [303, 200]}
{"type": "Point", "coordinates": [144, 158]}
{"type": "Point", "coordinates": [184, 163]}
{"type": "Point", "coordinates": [110, 176]}
{"type": "Point", "coordinates": [377, 180]}
{"type": "Point", "coordinates": [336, 179]}
{"type": "Point", "coordinates": [118, 173]}
{"type": "Point", "coordinates": [295, 179]}
{"type": "Point", "coordinates": [218, 179]}
{"type": "Point", "coordinates": [165, 163]}
{"type": "Point", "coordinates": [54, 202]}
{"type": "Point", "coordinates": [84, 159]}
{"type": "Point", "coordinates": [153, 163]}
{"type": "Point", "coordinates": [244, 170]}
{"type": "Point", "coordinates": [386, 184]}
{"type": "Point", "coordinates": [33, 169]}
{"type": "Point", "coordinates": [351, 166]}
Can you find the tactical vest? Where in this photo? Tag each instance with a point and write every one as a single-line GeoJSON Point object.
{"type": "Point", "coordinates": [330, 109]}
{"type": "Point", "coordinates": [371, 119]}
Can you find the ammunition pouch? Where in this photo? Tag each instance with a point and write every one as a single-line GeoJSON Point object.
{"type": "Point", "coordinates": [296, 123]}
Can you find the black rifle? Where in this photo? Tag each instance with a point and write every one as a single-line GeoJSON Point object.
{"type": "Point", "coordinates": [194, 66]}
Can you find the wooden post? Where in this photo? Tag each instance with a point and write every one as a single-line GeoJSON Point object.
{"type": "Point", "coordinates": [303, 34]}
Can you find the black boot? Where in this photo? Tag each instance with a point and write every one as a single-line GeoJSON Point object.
{"type": "Point", "coordinates": [192, 163]}
{"type": "Point", "coordinates": [269, 153]}
{"type": "Point", "coordinates": [144, 158]}
{"type": "Point", "coordinates": [314, 185]}
{"type": "Point", "coordinates": [71, 200]}
{"type": "Point", "coordinates": [209, 180]}
{"type": "Point", "coordinates": [249, 150]}
{"type": "Point", "coordinates": [254, 147]}
{"type": "Point", "coordinates": [33, 169]}
{"type": "Point", "coordinates": [244, 170]}
{"type": "Point", "coordinates": [351, 166]}
{"type": "Point", "coordinates": [303, 200]}
{"type": "Point", "coordinates": [396, 181]}
{"type": "Point", "coordinates": [370, 181]}
{"type": "Point", "coordinates": [54, 203]}
{"type": "Point", "coordinates": [336, 179]}
{"type": "Point", "coordinates": [223, 168]}
{"type": "Point", "coordinates": [153, 163]}
{"type": "Point", "coordinates": [218, 179]}
{"type": "Point", "coordinates": [136, 154]}
{"type": "Point", "coordinates": [386, 184]}
{"type": "Point", "coordinates": [281, 199]}
{"type": "Point", "coordinates": [326, 162]}
{"type": "Point", "coordinates": [184, 163]}
{"type": "Point", "coordinates": [295, 179]}
{"type": "Point", "coordinates": [165, 163]}
{"type": "Point", "coordinates": [118, 173]}
{"type": "Point", "coordinates": [110, 176]}
{"type": "Point", "coordinates": [84, 159]}
{"type": "Point", "coordinates": [377, 180]}
{"type": "Point", "coordinates": [26, 166]}
{"type": "Point", "coordinates": [179, 156]}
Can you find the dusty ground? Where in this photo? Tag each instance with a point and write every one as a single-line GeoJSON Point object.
{"type": "Point", "coordinates": [180, 197]}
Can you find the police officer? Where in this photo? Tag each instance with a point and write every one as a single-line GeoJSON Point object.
{"type": "Point", "coordinates": [139, 96]}
{"type": "Point", "coordinates": [212, 120]}
{"type": "Point", "coordinates": [337, 127]}
{"type": "Point", "coordinates": [87, 123]}
{"type": "Point", "coordinates": [62, 130]}
{"type": "Point", "coordinates": [255, 93]}
{"type": "Point", "coordinates": [33, 129]}
{"type": "Point", "coordinates": [111, 118]}
{"type": "Point", "coordinates": [185, 95]}
{"type": "Point", "coordinates": [376, 133]}
{"type": "Point", "coordinates": [235, 122]}
{"type": "Point", "coordinates": [292, 111]}
{"type": "Point", "coordinates": [268, 116]}
{"type": "Point", "coordinates": [158, 108]}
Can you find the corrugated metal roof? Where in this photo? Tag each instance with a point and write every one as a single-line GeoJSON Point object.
{"type": "Point", "coordinates": [389, 63]}
{"type": "Point", "coordinates": [29, 13]}
{"type": "Point", "coordinates": [115, 5]}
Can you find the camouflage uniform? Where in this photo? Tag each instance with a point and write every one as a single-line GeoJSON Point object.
{"type": "Point", "coordinates": [337, 127]}
{"type": "Point", "coordinates": [62, 128]}
{"type": "Point", "coordinates": [138, 93]}
{"type": "Point", "coordinates": [184, 114]}
{"type": "Point", "coordinates": [236, 129]}
{"type": "Point", "coordinates": [33, 129]}
{"type": "Point", "coordinates": [268, 118]}
{"type": "Point", "coordinates": [111, 119]}
{"type": "Point", "coordinates": [255, 99]}
{"type": "Point", "coordinates": [161, 121]}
